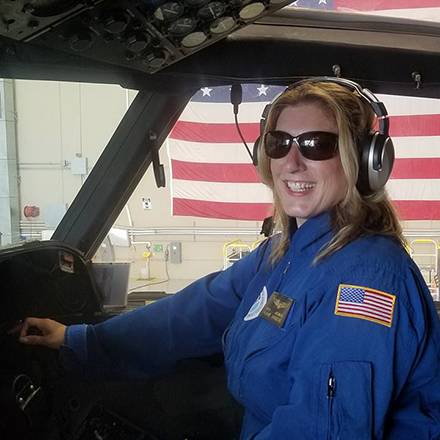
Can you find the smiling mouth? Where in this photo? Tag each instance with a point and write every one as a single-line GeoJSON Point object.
{"type": "Point", "coordinates": [300, 186]}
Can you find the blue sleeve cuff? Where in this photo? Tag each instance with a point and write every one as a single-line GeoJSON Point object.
{"type": "Point", "coordinates": [76, 339]}
{"type": "Point", "coordinates": [73, 353]}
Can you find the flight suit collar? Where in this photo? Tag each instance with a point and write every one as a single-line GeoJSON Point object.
{"type": "Point", "coordinates": [312, 234]}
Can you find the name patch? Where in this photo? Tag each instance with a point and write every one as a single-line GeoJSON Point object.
{"type": "Point", "coordinates": [277, 309]}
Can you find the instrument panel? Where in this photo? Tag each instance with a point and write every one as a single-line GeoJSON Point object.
{"type": "Point", "coordinates": [145, 35]}
{"type": "Point", "coordinates": [39, 400]}
{"type": "Point", "coordinates": [46, 279]}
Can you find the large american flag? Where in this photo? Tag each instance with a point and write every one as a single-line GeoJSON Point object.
{"type": "Point", "coordinates": [212, 175]}
{"type": "Point", "coordinates": [415, 9]}
{"type": "Point", "coordinates": [365, 303]}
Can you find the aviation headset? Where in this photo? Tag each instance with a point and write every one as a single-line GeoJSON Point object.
{"type": "Point", "coordinates": [376, 148]}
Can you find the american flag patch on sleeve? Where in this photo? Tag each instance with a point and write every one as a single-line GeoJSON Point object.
{"type": "Point", "coordinates": [365, 303]}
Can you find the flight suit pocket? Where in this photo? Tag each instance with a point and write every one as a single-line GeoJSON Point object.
{"type": "Point", "coordinates": [346, 399]}
{"type": "Point", "coordinates": [263, 370]}
{"type": "Point", "coordinates": [225, 346]}
{"type": "Point", "coordinates": [336, 399]}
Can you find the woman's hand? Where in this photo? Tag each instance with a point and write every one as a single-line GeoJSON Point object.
{"type": "Point", "coordinates": [52, 332]}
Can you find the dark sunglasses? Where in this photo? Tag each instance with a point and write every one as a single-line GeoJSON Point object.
{"type": "Point", "coordinates": [313, 145]}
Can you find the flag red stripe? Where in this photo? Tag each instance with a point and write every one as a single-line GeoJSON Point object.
{"type": "Point", "coordinates": [377, 303]}
{"type": "Point", "coordinates": [214, 133]}
{"type": "Point", "coordinates": [418, 209]}
{"type": "Point", "coordinates": [359, 307]}
{"type": "Point", "coordinates": [409, 210]}
{"type": "Point", "coordinates": [420, 125]}
{"type": "Point", "coordinates": [413, 168]}
{"type": "Point", "coordinates": [371, 314]}
{"type": "Point", "coordinates": [416, 168]}
{"type": "Point", "coordinates": [215, 172]}
{"type": "Point", "coordinates": [372, 295]}
{"type": "Point", "coordinates": [220, 210]}
{"type": "Point", "coordinates": [378, 5]}
{"type": "Point", "coordinates": [364, 314]}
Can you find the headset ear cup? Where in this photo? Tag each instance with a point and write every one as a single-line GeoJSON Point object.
{"type": "Point", "coordinates": [376, 164]}
{"type": "Point", "coordinates": [259, 142]}
{"type": "Point", "coordinates": [256, 149]}
{"type": "Point", "coordinates": [386, 162]}
{"type": "Point", "coordinates": [363, 184]}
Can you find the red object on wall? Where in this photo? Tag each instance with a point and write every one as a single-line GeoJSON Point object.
{"type": "Point", "coordinates": [31, 211]}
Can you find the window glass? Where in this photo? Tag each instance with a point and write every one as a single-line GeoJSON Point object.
{"type": "Point", "coordinates": [428, 10]}
{"type": "Point", "coordinates": [214, 195]}
{"type": "Point", "coordinates": [52, 136]}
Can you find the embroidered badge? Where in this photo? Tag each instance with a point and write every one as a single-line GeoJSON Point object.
{"type": "Point", "coordinates": [365, 303]}
{"type": "Point", "coordinates": [258, 305]}
{"type": "Point", "coordinates": [277, 309]}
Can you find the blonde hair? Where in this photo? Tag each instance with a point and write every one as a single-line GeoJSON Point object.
{"type": "Point", "coordinates": [357, 215]}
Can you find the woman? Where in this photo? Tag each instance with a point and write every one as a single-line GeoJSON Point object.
{"type": "Point", "coordinates": [329, 331]}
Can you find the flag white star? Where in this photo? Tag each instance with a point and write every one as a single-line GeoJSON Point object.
{"type": "Point", "coordinates": [206, 91]}
{"type": "Point", "coordinates": [262, 90]}
{"type": "Point", "coordinates": [322, 2]}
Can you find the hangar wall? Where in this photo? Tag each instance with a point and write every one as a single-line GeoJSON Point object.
{"type": "Point", "coordinates": [59, 124]}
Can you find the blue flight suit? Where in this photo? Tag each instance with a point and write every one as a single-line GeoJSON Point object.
{"type": "Point", "coordinates": [325, 373]}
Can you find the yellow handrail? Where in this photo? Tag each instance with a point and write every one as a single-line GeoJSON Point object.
{"type": "Point", "coordinates": [237, 247]}
{"type": "Point", "coordinates": [257, 243]}
{"type": "Point", "coordinates": [237, 240]}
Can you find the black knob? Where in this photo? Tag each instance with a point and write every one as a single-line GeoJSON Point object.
{"type": "Point", "coordinates": [7, 24]}
{"type": "Point", "coordinates": [80, 42]}
{"type": "Point", "coordinates": [33, 24]}
{"type": "Point", "coordinates": [129, 56]}
{"type": "Point", "coordinates": [87, 21]}
{"type": "Point", "coordinates": [11, 50]}
{"type": "Point", "coordinates": [137, 25]}
{"type": "Point", "coordinates": [137, 43]}
{"type": "Point", "coordinates": [115, 23]}
{"type": "Point", "coordinates": [28, 9]}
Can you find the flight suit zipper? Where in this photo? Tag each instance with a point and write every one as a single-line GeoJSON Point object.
{"type": "Point", "coordinates": [225, 333]}
{"type": "Point", "coordinates": [243, 361]}
{"type": "Point", "coordinates": [330, 394]}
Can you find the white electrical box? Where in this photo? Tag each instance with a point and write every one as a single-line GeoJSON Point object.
{"type": "Point", "coordinates": [175, 252]}
{"type": "Point", "coordinates": [78, 166]}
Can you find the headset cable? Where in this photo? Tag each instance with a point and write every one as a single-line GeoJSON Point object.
{"type": "Point", "coordinates": [236, 99]}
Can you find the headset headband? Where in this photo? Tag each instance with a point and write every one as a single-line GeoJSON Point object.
{"type": "Point", "coordinates": [377, 106]}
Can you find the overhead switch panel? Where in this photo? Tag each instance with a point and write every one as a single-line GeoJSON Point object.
{"type": "Point", "coordinates": [145, 35]}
